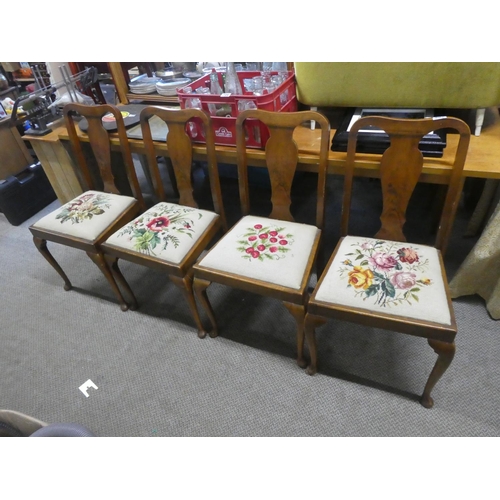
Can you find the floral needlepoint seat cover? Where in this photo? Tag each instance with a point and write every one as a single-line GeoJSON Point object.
{"type": "Point", "coordinates": [166, 231]}
{"type": "Point", "coordinates": [87, 215]}
{"type": "Point", "coordinates": [396, 278]}
{"type": "Point", "coordinates": [264, 249]}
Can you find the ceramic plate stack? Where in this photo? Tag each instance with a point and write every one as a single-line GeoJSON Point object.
{"type": "Point", "coordinates": [145, 85]}
{"type": "Point", "coordinates": [169, 88]}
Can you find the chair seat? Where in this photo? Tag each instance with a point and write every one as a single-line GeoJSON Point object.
{"type": "Point", "coordinates": [87, 215]}
{"type": "Point", "coordinates": [395, 278]}
{"type": "Point", "coordinates": [166, 231]}
{"type": "Point", "coordinates": [264, 249]}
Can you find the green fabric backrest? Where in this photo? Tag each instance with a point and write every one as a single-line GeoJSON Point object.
{"type": "Point", "coordinates": [401, 84]}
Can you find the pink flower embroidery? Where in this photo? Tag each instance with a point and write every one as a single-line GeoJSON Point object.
{"type": "Point", "coordinates": [158, 223]}
{"type": "Point", "coordinates": [403, 280]}
{"type": "Point", "coordinates": [273, 249]}
{"type": "Point", "coordinates": [383, 261]}
{"type": "Point", "coordinates": [252, 238]}
{"type": "Point", "coordinates": [258, 226]}
{"type": "Point", "coordinates": [283, 242]}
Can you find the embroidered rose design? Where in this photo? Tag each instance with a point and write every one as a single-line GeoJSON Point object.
{"type": "Point", "coordinates": [403, 280]}
{"type": "Point", "coordinates": [160, 227]}
{"type": "Point", "coordinates": [84, 208]}
{"type": "Point", "coordinates": [382, 261]}
{"type": "Point", "coordinates": [407, 255]}
{"type": "Point", "coordinates": [264, 243]}
{"type": "Point", "coordinates": [360, 278]}
{"type": "Point", "coordinates": [391, 274]}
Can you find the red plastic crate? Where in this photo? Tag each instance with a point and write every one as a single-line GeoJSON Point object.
{"type": "Point", "coordinates": [283, 99]}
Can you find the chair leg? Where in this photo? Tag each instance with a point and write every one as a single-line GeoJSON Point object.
{"type": "Point", "coordinates": [200, 288]}
{"type": "Point", "coordinates": [100, 262]}
{"type": "Point", "coordinates": [298, 311]}
{"type": "Point", "coordinates": [311, 323]}
{"type": "Point", "coordinates": [112, 263]}
{"type": "Point", "coordinates": [186, 285]}
{"type": "Point", "coordinates": [445, 352]}
{"type": "Point", "coordinates": [42, 248]}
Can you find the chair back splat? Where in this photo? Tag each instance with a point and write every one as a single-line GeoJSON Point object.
{"type": "Point", "coordinates": [400, 170]}
{"type": "Point", "coordinates": [101, 147]}
{"type": "Point", "coordinates": [281, 160]}
{"type": "Point", "coordinates": [180, 150]}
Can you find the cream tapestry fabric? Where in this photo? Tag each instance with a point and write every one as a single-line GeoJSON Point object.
{"type": "Point", "coordinates": [386, 276]}
{"type": "Point", "coordinates": [87, 215]}
{"type": "Point", "coordinates": [166, 231]}
{"type": "Point", "coordinates": [265, 249]}
{"type": "Point", "coordinates": [480, 271]}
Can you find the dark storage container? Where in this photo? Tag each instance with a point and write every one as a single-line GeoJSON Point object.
{"type": "Point", "coordinates": [25, 194]}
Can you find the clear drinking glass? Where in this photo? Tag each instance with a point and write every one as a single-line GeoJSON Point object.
{"type": "Point", "coordinates": [258, 85]}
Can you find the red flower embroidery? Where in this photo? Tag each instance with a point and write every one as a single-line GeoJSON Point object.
{"type": "Point", "coordinates": [262, 242]}
{"type": "Point", "coordinates": [158, 223]}
{"type": "Point", "coordinates": [407, 255]}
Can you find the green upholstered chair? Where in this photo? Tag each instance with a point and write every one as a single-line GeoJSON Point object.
{"type": "Point", "coordinates": [466, 85]}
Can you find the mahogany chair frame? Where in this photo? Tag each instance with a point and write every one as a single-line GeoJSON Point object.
{"type": "Point", "coordinates": [281, 159]}
{"type": "Point", "coordinates": [180, 150]}
{"type": "Point", "coordinates": [101, 147]}
{"type": "Point", "coordinates": [400, 169]}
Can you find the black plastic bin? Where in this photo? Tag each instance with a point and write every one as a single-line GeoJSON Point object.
{"type": "Point", "coordinates": [25, 194]}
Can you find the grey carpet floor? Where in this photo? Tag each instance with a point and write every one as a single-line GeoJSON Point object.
{"type": "Point", "coordinates": [155, 377]}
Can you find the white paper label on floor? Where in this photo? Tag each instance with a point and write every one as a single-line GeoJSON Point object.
{"type": "Point", "coordinates": [87, 385]}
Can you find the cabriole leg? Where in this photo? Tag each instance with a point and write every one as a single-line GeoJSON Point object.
{"type": "Point", "coordinates": [311, 323]}
{"type": "Point", "coordinates": [42, 248]}
{"type": "Point", "coordinates": [298, 311]}
{"type": "Point", "coordinates": [100, 262]}
{"type": "Point", "coordinates": [186, 285]}
{"type": "Point", "coordinates": [200, 288]}
{"type": "Point", "coordinates": [445, 352]}
{"type": "Point", "coordinates": [112, 263]}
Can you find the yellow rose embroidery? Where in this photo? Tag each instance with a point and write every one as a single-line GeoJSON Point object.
{"type": "Point", "coordinates": [360, 278]}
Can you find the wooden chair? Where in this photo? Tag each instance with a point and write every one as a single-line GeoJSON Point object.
{"type": "Point", "coordinates": [271, 256]}
{"type": "Point", "coordinates": [87, 220]}
{"type": "Point", "coordinates": [385, 282]}
{"type": "Point", "coordinates": [169, 237]}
